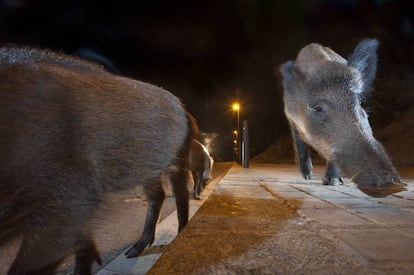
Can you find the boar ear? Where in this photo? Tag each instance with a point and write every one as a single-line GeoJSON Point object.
{"type": "Point", "coordinates": [289, 72]}
{"type": "Point", "coordinates": [291, 77]}
{"type": "Point", "coordinates": [364, 59]}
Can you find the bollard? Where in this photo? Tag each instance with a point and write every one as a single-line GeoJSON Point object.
{"type": "Point", "coordinates": [245, 145]}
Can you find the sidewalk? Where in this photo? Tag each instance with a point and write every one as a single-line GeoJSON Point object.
{"type": "Point", "coordinates": [267, 220]}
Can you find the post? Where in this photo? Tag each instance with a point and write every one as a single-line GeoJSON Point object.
{"type": "Point", "coordinates": [239, 156]}
{"type": "Point", "coordinates": [237, 148]}
{"type": "Point", "coordinates": [245, 145]}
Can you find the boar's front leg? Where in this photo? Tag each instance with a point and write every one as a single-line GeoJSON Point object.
{"type": "Point", "coordinates": [302, 154]}
{"type": "Point", "coordinates": [332, 174]}
{"type": "Point", "coordinates": [155, 197]}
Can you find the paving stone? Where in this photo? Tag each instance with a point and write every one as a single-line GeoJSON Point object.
{"type": "Point", "coordinates": [238, 182]}
{"type": "Point", "coordinates": [326, 194]}
{"type": "Point", "coordinates": [378, 244]}
{"type": "Point", "coordinates": [279, 187]}
{"type": "Point", "coordinates": [246, 192]}
{"type": "Point", "coordinates": [316, 204]}
{"type": "Point", "coordinates": [407, 195]}
{"type": "Point", "coordinates": [335, 218]}
{"type": "Point", "coordinates": [392, 217]}
{"type": "Point", "coordinates": [293, 195]}
{"type": "Point", "coordinates": [352, 202]}
{"type": "Point", "coordinates": [396, 202]}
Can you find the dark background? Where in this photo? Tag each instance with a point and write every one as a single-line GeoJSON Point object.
{"type": "Point", "coordinates": [212, 53]}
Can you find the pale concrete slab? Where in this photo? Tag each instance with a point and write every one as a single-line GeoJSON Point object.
{"type": "Point", "coordinates": [378, 244]}
{"type": "Point", "coordinates": [398, 202]}
{"type": "Point", "coordinates": [335, 218]}
{"type": "Point", "coordinates": [298, 227]}
{"type": "Point", "coordinates": [391, 217]}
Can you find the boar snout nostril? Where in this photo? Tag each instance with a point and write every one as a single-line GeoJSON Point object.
{"type": "Point", "coordinates": [394, 179]}
{"type": "Point", "coordinates": [377, 178]}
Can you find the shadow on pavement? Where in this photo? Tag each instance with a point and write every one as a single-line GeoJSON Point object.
{"type": "Point", "coordinates": [234, 226]}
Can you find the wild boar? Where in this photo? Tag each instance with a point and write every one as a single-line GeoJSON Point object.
{"type": "Point", "coordinates": [72, 133]}
{"type": "Point", "coordinates": [322, 97]}
{"type": "Point", "coordinates": [201, 164]}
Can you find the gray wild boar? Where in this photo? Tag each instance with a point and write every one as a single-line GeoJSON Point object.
{"type": "Point", "coordinates": [201, 164]}
{"type": "Point", "coordinates": [322, 96]}
{"type": "Point", "coordinates": [70, 134]}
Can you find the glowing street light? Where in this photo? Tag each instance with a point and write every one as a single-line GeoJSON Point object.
{"type": "Point", "coordinates": [236, 107]}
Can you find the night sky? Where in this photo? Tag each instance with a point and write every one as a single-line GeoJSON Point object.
{"type": "Point", "coordinates": [212, 53]}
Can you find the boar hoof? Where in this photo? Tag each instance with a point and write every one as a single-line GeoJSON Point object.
{"type": "Point", "coordinates": [332, 181]}
{"type": "Point", "coordinates": [136, 249]}
{"type": "Point", "coordinates": [132, 253]}
{"type": "Point", "coordinates": [306, 169]}
{"type": "Point", "coordinates": [197, 196]}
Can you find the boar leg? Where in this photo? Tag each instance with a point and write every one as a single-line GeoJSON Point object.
{"type": "Point", "coordinates": [86, 253]}
{"type": "Point", "coordinates": [204, 183]}
{"type": "Point", "coordinates": [302, 154]}
{"type": "Point", "coordinates": [332, 174]}
{"type": "Point", "coordinates": [179, 182]}
{"type": "Point", "coordinates": [42, 250]}
{"type": "Point", "coordinates": [155, 197]}
{"type": "Point", "coordinates": [197, 185]}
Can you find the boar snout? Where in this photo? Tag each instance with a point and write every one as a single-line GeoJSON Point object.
{"type": "Point", "coordinates": [379, 183]}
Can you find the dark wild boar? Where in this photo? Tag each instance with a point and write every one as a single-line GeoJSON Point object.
{"type": "Point", "coordinates": [71, 133]}
{"type": "Point", "coordinates": [201, 164]}
{"type": "Point", "coordinates": [322, 96]}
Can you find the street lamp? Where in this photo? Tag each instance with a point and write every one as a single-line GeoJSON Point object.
{"type": "Point", "coordinates": [236, 107]}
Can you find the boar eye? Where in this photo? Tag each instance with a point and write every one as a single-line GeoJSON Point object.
{"type": "Point", "coordinates": [316, 108]}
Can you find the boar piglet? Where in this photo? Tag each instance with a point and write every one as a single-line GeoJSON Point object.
{"type": "Point", "coordinates": [201, 164]}
{"type": "Point", "coordinates": [72, 133]}
{"type": "Point", "coordinates": [322, 97]}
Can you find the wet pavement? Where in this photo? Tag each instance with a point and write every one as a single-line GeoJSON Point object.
{"type": "Point", "coordinates": [268, 220]}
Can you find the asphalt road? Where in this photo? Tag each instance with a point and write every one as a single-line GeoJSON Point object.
{"type": "Point", "coordinates": [118, 225]}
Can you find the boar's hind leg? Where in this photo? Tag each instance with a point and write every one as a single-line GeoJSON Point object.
{"type": "Point", "coordinates": [155, 197]}
{"type": "Point", "coordinates": [179, 182]}
{"type": "Point", "coordinates": [332, 174]}
{"type": "Point", "coordinates": [197, 185]}
{"type": "Point", "coordinates": [42, 250]}
{"type": "Point", "coordinates": [302, 154]}
{"type": "Point", "coordinates": [86, 253]}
